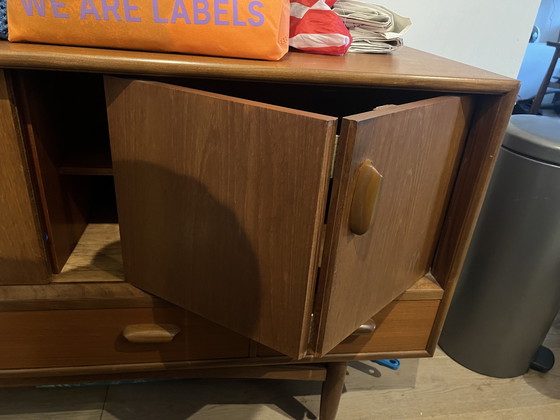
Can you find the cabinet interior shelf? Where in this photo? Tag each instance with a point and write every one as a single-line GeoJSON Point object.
{"type": "Point", "coordinates": [91, 157]}
{"type": "Point", "coordinates": [96, 258]}
{"type": "Point", "coordinates": [87, 163]}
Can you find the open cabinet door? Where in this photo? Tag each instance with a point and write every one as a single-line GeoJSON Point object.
{"type": "Point", "coordinates": [221, 203]}
{"type": "Point", "coordinates": [394, 172]}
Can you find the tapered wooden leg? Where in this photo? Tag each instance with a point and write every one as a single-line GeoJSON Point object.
{"type": "Point", "coordinates": [332, 390]}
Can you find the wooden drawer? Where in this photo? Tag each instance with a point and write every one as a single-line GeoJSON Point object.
{"type": "Point", "coordinates": [401, 326]}
{"type": "Point", "coordinates": [94, 337]}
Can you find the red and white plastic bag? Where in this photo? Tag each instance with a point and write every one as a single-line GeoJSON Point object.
{"type": "Point", "coordinates": [315, 28]}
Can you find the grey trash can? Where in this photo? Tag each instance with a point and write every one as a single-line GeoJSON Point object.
{"type": "Point", "coordinates": [509, 290]}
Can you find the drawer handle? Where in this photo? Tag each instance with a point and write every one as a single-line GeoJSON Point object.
{"type": "Point", "coordinates": [364, 200]}
{"type": "Point", "coordinates": [150, 333]}
{"type": "Point", "coordinates": [366, 329]}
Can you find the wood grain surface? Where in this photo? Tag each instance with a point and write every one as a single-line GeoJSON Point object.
{"type": "Point", "coordinates": [332, 390]}
{"type": "Point", "coordinates": [97, 256]}
{"type": "Point", "coordinates": [364, 198]}
{"type": "Point", "coordinates": [402, 326]}
{"type": "Point", "coordinates": [57, 120]}
{"type": "Point", "coordinates": [426, 288]}
{"type": "Point", "coordinates": [407, 68]}
{"type": "Point", "coordinates": [43, 339]}
{"type": "Point", "coordinates": [150, 333]}
{"type": "Point", "coordinates": [92, 373]}
{"type": "Point", "coordinates": [221, 204]}
{"type": "Point", "coordinates": [22, 254]}
{"type": "Point", "coordinates": [57, 296]}
{"type": "Point", "coordinates": [485, 137]}
{"type": "Point", "coordinates": [415, 148]}
{"type": "Point", "coordinates": [102, 295]}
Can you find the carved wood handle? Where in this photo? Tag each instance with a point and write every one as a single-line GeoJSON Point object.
{"type": "Point", "coordinates": [150, 333]}
{"type": "Point", "coordinates": [364, 200]}
{"type": "Point", "coordinates": [366, 329]}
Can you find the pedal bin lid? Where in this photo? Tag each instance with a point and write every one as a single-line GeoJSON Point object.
{"type": "Point", "coordinates": [534, 136]}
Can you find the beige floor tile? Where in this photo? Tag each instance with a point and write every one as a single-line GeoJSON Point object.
{"type": "Point", "coordinates": [440, 387]}
{"type": "Point", "coordinates": [548, 412]}
{"type": "Point", "coordinates": [77, 403]}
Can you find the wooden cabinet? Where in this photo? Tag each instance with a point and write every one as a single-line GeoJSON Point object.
{"type": "Point", "coordinates": [276, 205]}
{"type": "Point", "coordinates": [222, 205]}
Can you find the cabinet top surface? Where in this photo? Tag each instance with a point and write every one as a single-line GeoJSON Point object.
{"type": "Point", "coordinates": [407, 68]}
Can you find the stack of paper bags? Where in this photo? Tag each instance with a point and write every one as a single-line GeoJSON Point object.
{"type": "Point", "coordinates": [374, 28]}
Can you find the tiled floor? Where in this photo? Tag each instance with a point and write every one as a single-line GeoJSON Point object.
{"type": "Point", "coordinates": [425, 388]}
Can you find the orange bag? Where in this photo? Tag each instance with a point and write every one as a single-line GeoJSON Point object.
{"type": "Point", "coordinates": [232, 28]}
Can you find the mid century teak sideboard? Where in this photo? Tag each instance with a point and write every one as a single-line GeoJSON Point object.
{"type": "Point", "coordinates": [165, 215]}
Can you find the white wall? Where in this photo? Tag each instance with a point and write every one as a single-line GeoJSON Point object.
{"type": "Point", "coordinates": [491, 34]}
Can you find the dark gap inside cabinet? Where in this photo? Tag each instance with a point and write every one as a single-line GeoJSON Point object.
{"type": "Point", "coordinates": [64, 125]}
{"type": "Point", "coordinates": [335, 101]}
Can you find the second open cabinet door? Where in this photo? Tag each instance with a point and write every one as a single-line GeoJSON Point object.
{"type": "Point", "coordinates": [394, 173]}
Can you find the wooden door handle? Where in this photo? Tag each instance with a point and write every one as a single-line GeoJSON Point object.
{"type": "Point", "coordinates": [364, 200]}
{"type": "Point", "coordinates": [366, 329]}
{"type": "Point", "coordinates": [150, 333]}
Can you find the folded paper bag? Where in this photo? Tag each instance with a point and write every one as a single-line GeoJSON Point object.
{"type": "Point", "coordinates": [231, 28]}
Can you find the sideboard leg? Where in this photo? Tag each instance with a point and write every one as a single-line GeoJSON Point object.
{"type": "Point", "coordinates": [332, 390]}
